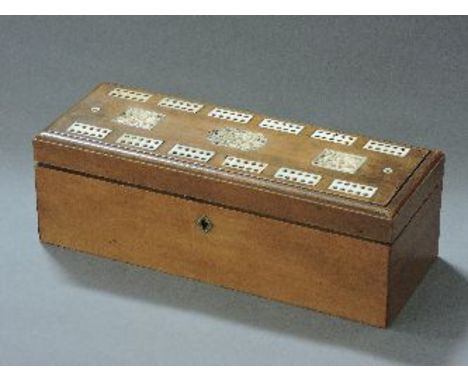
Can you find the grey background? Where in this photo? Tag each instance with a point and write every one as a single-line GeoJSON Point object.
{"type": "Point", "coordinates": [397, 78]}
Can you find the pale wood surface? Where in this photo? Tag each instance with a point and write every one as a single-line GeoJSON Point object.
{"type": "Point", "coordinates": [311, 268]}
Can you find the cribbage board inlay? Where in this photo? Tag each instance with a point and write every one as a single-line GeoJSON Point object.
{"type": "Point", "coordinates": [282, 126]}
{"type": "Point", "coordinates": [86, 130]}
{"type": "Point", "coordinates": [353, 188]}
{"type": "Point", "coordinates": [192, 153]}
{"type": "Point", "coordinates": [186, 125]}
{"type": "Point", "coordinates": [244, 164]}
{"type": "Point", "coordinates": [330, 136]}
{"type": "Point", "coordinates": [302, 177]}
{"type": "Point", "coordinates": [387, 148]}
{"type": "Point", "coordinates": [139, 141]}
{"type": "Point", "coordinates": [130, 95]}
{"type": "Point", "coordinates": [181, 105]}
{"type": "Point", "coordinates": [230, 115]}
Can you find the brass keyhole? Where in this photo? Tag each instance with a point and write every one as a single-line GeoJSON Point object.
{"type": "Point", "coordinates": [204, 223]}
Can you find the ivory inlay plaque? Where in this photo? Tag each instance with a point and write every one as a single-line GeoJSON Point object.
{"type": "Point", "coordinates": [235, 138]}
{"type": "Point", "coordinates": [339, 161]}
{"type": "Point", "coordinates": [139, 118]}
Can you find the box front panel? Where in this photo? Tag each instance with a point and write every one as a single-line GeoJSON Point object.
{"type": "Point", "coordinates": [329, 272]}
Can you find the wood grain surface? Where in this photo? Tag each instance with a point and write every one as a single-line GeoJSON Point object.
{"type": "Point", "coordinates": [286, 262]}
{"type": "Point", "coordinates": [328, 272]}
{"type": "Point", "coordinates": [281, 149]}
{"type": "Point", "coordinates": [380, 218]}
{"type": "Point", "coordinates": [349, 255]}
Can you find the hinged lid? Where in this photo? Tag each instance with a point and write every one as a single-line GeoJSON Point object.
{"type": "Point", "coordinates": [292, 171]}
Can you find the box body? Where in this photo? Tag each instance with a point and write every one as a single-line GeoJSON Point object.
{"type": "Point", "coordinates": [276, 234]}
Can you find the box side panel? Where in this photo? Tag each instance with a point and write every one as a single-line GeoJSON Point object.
{"type": "Point", "coordinates": [302, 266]}
{"type": "Point", "coordinates": [416, 191]}
{"type": "Point", "coordinates": [413, 252]}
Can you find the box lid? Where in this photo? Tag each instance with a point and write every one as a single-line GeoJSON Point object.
{"type": "Point", "coordinates": [296, 172]}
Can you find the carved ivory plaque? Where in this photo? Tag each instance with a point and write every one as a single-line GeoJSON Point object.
{"type": "Point", "coordinates": [235, 138]}
{"type": "Point", "coordinates": [339, 161]}
{"type": "Point", "coordinates": [139, 118]}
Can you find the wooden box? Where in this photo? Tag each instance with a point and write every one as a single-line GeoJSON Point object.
{"type": "Point", "coordinates": [337, 222]}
